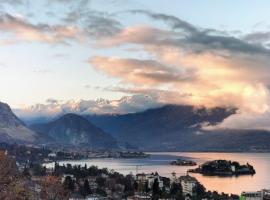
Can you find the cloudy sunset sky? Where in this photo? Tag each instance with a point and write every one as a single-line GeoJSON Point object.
{"type": "Point", "coordinates": [120, 56]}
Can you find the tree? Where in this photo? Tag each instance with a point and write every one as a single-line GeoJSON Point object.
{"type": "Point", "coordinates": [69, 184]}
{"type": "Point", "coordinates": [26, 172]}
{"type": "Point", "coordinates": [39, 170]}
{"type": "Point", "coordinates": [129, 185]}
{"type": "Point", "coordinates": [101, 192]}
{"type": "Point", "coordinates": [136, 186]}
{"type": "Point", "coordinates": [53, 189]}
{"type": "Point", "coordinates": [100, 181]}
{"type": "Point", "coordinates": [146, 188]}
{"type": "Point", "coordinates": [85, 190]}
{"type": "Point", "coordinates": [176, 191]}
{"type": "Point", "coordinates": [155, 189]}
{"type": "Point", "coordinates": [8, 170]}
{"type": "Point", "coordinates": [200, 191]}
{"type": "Point", "coordinates": [12, 185]}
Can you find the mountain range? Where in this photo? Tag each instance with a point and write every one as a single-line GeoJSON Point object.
{"type": "Point", "coordinates": [68, 130]}
{"type": "Point", "coordinates": [168, 128]}
{"type": "Point", "coordinates": [181, 128]}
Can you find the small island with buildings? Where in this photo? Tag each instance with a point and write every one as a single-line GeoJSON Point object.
{"type": "Point", "coordinates": [224, 168]}
{"type": "Point", "coordinates": [182, 162]}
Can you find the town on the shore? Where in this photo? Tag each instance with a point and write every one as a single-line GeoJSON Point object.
{"type": "Point", "coordinates": [23, 176]}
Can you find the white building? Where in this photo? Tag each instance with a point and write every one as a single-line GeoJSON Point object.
{"type": "Point", "coordinates": [188, 184]}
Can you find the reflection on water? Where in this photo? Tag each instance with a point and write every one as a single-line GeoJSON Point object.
{"type": "Point", "coordinates": [160, 162]}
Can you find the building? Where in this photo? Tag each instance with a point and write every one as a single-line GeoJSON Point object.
{"type": "Point", "coordinates": [188, 184]}
{"type": "Point", "coordinates": [173, 178]}
{"type": "Point", "coordinates": [150, 178]}
{"type": "Point", "coordinates": [141, 178]}
{"type": "Point", "coordinates": [266, 194]}
{"type": "Point", "coordinates": [259, 195]}
{"type": "Point", "coordinates": [251, 195]}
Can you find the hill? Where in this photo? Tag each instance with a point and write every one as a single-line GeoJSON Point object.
{"type": "Point", "coordinates": [72, 129]}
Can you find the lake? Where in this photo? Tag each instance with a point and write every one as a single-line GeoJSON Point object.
{"type": "Point", "coordinates": [160, 162]}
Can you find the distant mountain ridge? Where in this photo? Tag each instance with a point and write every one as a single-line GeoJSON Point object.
{"type": "Point", "coordinates": [179, 128]}
{"type": "Point", "coordinates": [167, 128]}
{"type": "Point", "coordinates": [160, 121]}
{"type": "Point", "coordinates": [12, 129]}
{"type": "Point", "coordinates": [72, 129]}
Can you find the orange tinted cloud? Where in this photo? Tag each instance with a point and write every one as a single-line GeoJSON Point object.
{"type": "Point", "coordinates": [25, 31]}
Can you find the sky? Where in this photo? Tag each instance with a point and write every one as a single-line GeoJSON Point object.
{"type": "Point", "coordinates": [121, 56]}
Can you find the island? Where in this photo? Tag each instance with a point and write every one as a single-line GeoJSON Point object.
{"type": "Point", "coordinates": [182, 162]}
{"type": "Point", "coordinates": [224, 168]}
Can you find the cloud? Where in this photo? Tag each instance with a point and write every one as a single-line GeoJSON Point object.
{"type": "Point", "coordinates": [76, 22]}
{"type": "Point", "coordinates": [25, 31]}
{"type": "Point", "coordinates": [13, 2]}
{"type": "Point", "coordinates": [245, 120]}
{"type": "Point", "coordinates": [141, 35]}
{"type": "Point", "coordinates": [95, 23]}
{"type": "Point", "coordinates": [185, 35]}
{"type": "Point", "coordinates": [258, 37]}
{"type": "Point", "coordinates": [197, 66]}
{"type": "Point", "coordinates": [182, 62]}
{"type": "Point", "coordinates": [42, 71]}
{"type": "Point", "coordinates": [139, 71]}
{"type": "Point", "coordinates": [53, 108]}
{"type": "Point", "coordinates": [173, 21]}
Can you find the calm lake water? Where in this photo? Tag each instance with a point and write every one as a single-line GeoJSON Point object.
{"type": "Point", "coordinates": [160, 162]}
